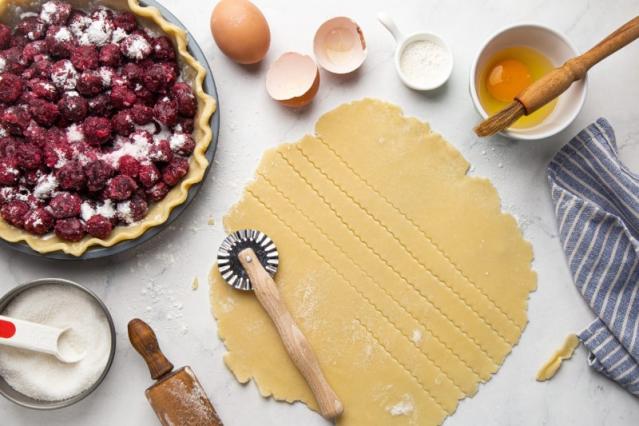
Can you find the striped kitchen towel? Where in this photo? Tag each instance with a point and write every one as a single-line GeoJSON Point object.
{"type": "Point", "coordinates": [596, 201]}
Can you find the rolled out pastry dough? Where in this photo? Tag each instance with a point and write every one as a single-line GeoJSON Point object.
{"type": "Point", "coordinates": [407, 279]}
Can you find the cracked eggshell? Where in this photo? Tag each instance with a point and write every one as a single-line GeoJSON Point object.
{"type": "Point", "coordinates": [293, 80]}
{"type": "Point", "coordinates": [339, 45]}
{"type": "Point", "coordinates": [240, 31]}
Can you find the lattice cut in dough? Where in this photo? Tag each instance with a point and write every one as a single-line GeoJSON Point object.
{"type": "Point", "coordinates": [406, 277]}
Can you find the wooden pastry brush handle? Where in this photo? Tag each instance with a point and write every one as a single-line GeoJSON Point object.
{"type": "Point", "coordinates": [294, 340]}
{"type": "Point", "coordinates": [558, 80]}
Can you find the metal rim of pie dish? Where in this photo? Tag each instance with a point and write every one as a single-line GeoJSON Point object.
{"type": "Point", "coordinates": [25, 401]}
{"type": "Point", "coordinates": [100, 252]}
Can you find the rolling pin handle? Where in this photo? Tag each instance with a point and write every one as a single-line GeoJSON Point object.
{"type": "Point", "coordinates": [145, 342]}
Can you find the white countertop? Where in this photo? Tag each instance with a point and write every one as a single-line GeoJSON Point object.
{"type": "Point", "coordinates": [154, 281]}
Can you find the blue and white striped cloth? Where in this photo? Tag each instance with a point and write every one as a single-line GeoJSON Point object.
{"type": "Point", "coordinates": [596, 201]}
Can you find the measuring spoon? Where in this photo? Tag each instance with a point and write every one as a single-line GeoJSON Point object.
{"type": "Point", "coordinates": [38, 338]}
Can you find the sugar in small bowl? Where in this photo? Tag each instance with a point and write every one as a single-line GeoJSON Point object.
{"type": "Point", "coordinates": [41, 381]}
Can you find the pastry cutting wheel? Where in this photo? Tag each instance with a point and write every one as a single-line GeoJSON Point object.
{"type": "Point", "coordinates": [247, 260]}
{"type": "Point", "coordinates": [227, 257]}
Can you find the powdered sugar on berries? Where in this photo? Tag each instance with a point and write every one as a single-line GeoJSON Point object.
{"type": "Point", "coordinates": [45, 186]}
{"type": "Point", "coordinates": [65, 75]}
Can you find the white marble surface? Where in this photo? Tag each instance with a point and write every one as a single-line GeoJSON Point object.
{"type": "Point", "coordinates": [154, 282]}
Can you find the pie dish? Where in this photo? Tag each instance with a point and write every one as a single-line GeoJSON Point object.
{"type": "Point", "coordinates": [126, 210]}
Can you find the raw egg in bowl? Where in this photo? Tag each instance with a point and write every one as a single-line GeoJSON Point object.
{"type": "Point", "coordinates": [509, 62]}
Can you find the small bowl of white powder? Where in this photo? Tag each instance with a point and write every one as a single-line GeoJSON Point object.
{"type": "Point", "coordinates": [422, 60]}
{"type": "Point", "coordinates": [40, 381]}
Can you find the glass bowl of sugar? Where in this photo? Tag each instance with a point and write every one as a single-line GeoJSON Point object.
{"type": "Point", "coordinates": [40, 381]}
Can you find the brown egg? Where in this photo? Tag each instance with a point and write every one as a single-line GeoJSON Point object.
{"type": "Point", "coordinates": [293, 80]}
{"type": "Point", "coordinates": [240, 31]}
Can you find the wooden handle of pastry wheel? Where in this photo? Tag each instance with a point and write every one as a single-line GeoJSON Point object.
{"type": "Point", "coordinates": [558, 80]}
{"type": "Point", "coordinates": [294, 340]}
{"type": "Point", "coordinates": [145, 342]}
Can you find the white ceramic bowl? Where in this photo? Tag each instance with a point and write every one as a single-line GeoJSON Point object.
{"type": "Point", "coordinates": [557, 49]}
{"type": "Point", "coordinates": [432, 84]}
{"type": "Point", "coordinates": [403, 41]}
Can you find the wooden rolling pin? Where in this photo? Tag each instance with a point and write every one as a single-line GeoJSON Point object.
{"type": "Point", "coordinates": [558, 80]}
{"type": "Point", "coordinates": [177, 398]}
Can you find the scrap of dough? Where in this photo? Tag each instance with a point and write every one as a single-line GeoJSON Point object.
{"type": "Point", "coordinates": [550, 368]}
{"type": "Point", "coordinates": [382, 237]}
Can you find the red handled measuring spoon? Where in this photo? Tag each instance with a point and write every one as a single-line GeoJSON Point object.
{"type": "Point", "coordinates": [38, 338]}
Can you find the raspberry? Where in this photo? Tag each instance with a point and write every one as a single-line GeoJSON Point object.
{"type": "Point", "coordinates": [135, 47]}
{"type": "Point", "coordinates": [110, 55]}
{"type": "Point", "coordinates": [71, 176]}
{"type": "Point", "coordinates": [177, 168]}
{"type": "Point", "coordinates": [43, 89]}
{"type": "Point", "coordinates": [163, 49]}
{"type": "Point", "coordinates": [29, 156]}
{"type": "Point", "coordinates": [73, 108]}
{"type": "Point", "coordinates": [97, 130]}
{"type": "Point", "coordinates": [101, 105]}
{"type": "Point", "coordinates": [159, 77]}
{"type": "Point", "coordinates": [122, 97]}
{"type": "Point", "coordinates": [5, 36]}
{"type": "Point", "coordinates": [65, 205]}
{"type": "Point", "coordinates": [41, 68]}
{"type": "Point", "coordinates": [158, 191]}
{"type": "Point", "coordinates": [90, 83]}
{"type": "Point", "coordinates": [8, 147]}
{"type": "Point", "coordinates": [38, 221]}
{"type": "Point", "coordinates": [64, 75]}
{"type": "Point", "coordinates": [59, 41]}
{"type": "Point", "coordinates": [15, 119]}
{"type": "Point", "coordinates": [84, 57]}
{"type": "Point", "coordinates": [13, 61]}
{"type": "Point", "coordinates": [141, 114]}
{"type": "Point", "coordinates": [55, 12]}
{"type": "Point", "coordinates": [123, 123]}
{"type": "Point", "coordinates": [184, 124]}
{"type": "Point", "coordinates": [70, 229]}
{"type": "Point", "coordinates": [165, 111]}
{"type": "Point", "coordinates": [30, 177]}
{"type": "Point", "coordinates": [148, 175]}
{"type": "Point", "coordinates": [129, 166]}
{"type": "Point", "coordinates": [120, 188]}
{"type": "Point", "coordinates": [31, 27]}
{"type": "Point", "coordinates": [11, 87]}
{"type": "Point", "coordinates": [78, 22]}
{"type": "Point", "coordinates": [43, 112]}
{"type": "Point", "coordinates": [36, 135]}
{"type": "Point", "coordinates": [144, 95]}
{"type": "Point", "coordinates": [125, 21]}
{"type": "Point", "coordinates": [161, 152]}
{"type": "Point", "coordinates": [99, 226]}
{"type": "Point", "coordinates": [133, 73]}
{"type": "Point", "coordinates": [182, 143]}
{"type": "Point", "coordinates": [57, 153]}
{"type": "Point", "coordinates": [9, 173]}
{"type": "Point", "coordinates": [139, 206]}
{"type": "Point", "coordinates": [97, 173]}
{"type": "Point", "coordinates": [7, 194]}
{"type": "Point", "coordinates": [33, 49]}
{"type": "Point", "coordinates": [183, 95]}
{"type": "Point", "coordinates": [14, 212]}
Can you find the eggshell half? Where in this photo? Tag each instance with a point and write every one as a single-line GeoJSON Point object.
{"type": "Point", "coordinates": [293, 80]}
{"type": "Point", "coordinates": [339, 45]}
{"type": "Point", "coordinates": [240, 31]}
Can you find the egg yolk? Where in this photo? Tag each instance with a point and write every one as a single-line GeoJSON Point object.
{"type": "Point", "coordinates": [507, 79]}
